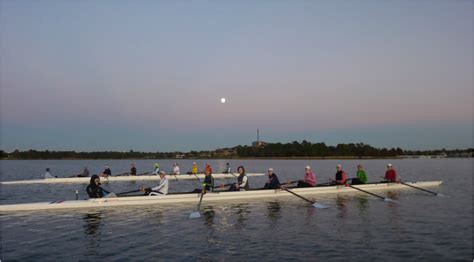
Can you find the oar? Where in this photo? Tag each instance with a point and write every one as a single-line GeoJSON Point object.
{"type": "Point", "coordinates": [422, 189]}
{"type": "Point", "coordinates": [128, 192]}
{"type": "Point", "coordinates": [197, 177]}
{"type": "Point", "coordinates": [196, 214]}
{"type": "Point", "coordinates": [123, 174]}
{"type": "Point", "coordinates": [314, 204]}
{"type": "Point", "coordinates": [372, 194]}
{"type": "Point", "coordinates": [142, 174]}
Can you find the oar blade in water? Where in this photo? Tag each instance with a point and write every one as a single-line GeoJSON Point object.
{"type": "Point", "coordinates": [389, 200]}
{"type": "Point", "coordinates": [441, 195]}
{"type": "Point", "coordinates": [318, 205]}
{"type": "Point", "coordinates": [195, 214]}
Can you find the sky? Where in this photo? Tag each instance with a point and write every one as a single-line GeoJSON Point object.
{"type": "Point", "coordinates": [148, 75]}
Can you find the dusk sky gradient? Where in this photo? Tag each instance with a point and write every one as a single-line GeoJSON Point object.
{"type": "Point", "coordinates": [149, 75]}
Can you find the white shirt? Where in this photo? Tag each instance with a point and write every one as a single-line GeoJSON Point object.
{"type": "Point", "coordinates": [48, 175]}
{"type": "Point", "coordinates": [176, 170]}
{"type": "Point", "coordinates": [162, 187]}
{"type": "Point", "coordinates": [244, 183]}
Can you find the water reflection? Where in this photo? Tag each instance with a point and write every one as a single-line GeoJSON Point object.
{"type": "Point", "coordinates": [241, 210]}
{"type": "Point", "coordinates": [92, 230]}
{"type": "Point", "coordinates": [362, 204]}
{"type": "Point", "coordinates": [208, 215]}
{"type": "Point", "coordinates": [274, 212]}
{"type": "Point", "coordinates": [341, 202]}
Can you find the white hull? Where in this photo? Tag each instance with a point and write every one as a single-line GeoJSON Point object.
{"type": "Point", "coordinates": [194, 198]}
{"type": "Point", "coordinates": [86, 180]}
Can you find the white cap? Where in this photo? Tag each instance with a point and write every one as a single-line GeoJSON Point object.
{"type": "Point", "coordinates": [339, 165]}
{"type": "Point", "coordinates": [270, 169]}
{"type": "Point", "coordinates": [307, 167]}
{"type": "Point", "coordinates": [389, 164]}
{"type": "Point", "coordinates": [162, 173]}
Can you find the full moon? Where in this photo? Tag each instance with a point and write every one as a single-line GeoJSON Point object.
{"type": "Point", "coordinates": [223, 100]}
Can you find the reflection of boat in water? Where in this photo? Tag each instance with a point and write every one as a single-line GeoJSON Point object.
{"type": "Point", "coordinates": [214, 196]}
{"type": "Point", "coordinates": [86, 180]}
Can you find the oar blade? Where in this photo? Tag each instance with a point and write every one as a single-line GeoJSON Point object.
{"type": "Point", "coordinates": [390, 200]}
{"type": "Point", "coordinates": [441, 195]}
{"type": "Point", "coordinates": [195, 214]}
{"type": "Point", "coordinates": [318, 205]}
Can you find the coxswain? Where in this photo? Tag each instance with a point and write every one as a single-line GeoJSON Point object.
{"type": "Point", "coordinates": [309, 178]}
{"type": "Point", "coordinates": [272, 182]}
{"type": "Point", "coordinates": [94, 190]}
{"type": "Point", "coordinates": [242, 181]}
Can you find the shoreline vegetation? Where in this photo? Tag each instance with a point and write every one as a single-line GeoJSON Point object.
{"type": "Point", "coordinates": [294, 150]}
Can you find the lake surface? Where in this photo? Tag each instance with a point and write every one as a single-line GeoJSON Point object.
{"type": "Point", "coordinates": [356, 227]}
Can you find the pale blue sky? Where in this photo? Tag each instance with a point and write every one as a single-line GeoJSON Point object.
{"type": "Point", "coordinates": [148, 75]}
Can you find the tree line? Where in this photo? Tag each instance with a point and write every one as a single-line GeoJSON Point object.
{"type": "Point", "coordinates": [269, 150]}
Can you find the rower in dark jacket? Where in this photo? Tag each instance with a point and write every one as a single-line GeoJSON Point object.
{"type": "Point", "coordinates": [273, 182]}
{"type": "Point", "coordinates": [208, 183]}
{"type": "Point", "coordinates": [242, 181]}
{"type": "Point", "coordinates": [94, 190]}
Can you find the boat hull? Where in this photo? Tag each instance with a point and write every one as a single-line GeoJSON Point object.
{"type": "Point", "coordinates": [214, 196]}
{"type": "Point", "coordinates": [86, 180]}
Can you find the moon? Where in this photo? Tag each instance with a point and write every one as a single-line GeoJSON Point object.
{"type": "Point", "coordinates": [223, 100]}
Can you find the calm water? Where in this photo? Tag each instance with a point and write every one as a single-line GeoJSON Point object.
{"type": "Point", "coordinates": [356, 227]}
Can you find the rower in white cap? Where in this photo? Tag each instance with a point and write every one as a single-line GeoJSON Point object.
{"type": "Point", "coordinates": [273, 182]}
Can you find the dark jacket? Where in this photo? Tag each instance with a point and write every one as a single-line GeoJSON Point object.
{"type": "Point", "coordinates": [273, 182]}
{"type": "Point", "coordinates": [95, 191]}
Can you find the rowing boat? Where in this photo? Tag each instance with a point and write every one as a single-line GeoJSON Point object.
{"type": "Point", "coordinates": [214, 196]}
{"type": "Point", "coordinates": [86, 180]}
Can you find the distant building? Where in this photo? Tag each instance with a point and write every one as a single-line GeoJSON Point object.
{"type": "Point", "coordinates": [258, 143]}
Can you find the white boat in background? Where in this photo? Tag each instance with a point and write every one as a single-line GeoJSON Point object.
{"type": "Point", "coordinates": [86, 180]}
{"type": "Point", "coordinates": [214, 196]}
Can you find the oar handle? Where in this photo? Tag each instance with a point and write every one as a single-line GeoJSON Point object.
{"type": "Point", "coordinates": [133, 191]}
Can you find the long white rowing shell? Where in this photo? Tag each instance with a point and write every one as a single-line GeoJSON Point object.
{"type": "Point", "coordinates": [85, 180]}
{"type": "Point", "coordinates": [194, 198]}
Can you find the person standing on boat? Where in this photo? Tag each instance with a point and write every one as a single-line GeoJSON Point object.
{"type": "Point", "coordinates": [309, 178]}
{"type": "Point", "coordinates": [175, 169]}
{"type": "Point", "coordinates": [242, 181]}
{"type": "Point", "coordinates": [207, 184]}
{"type": "Point", "coordinates": [341, 176]}
{"type": "Point", "coordinates": [390, 174]}
{"type": "Point", "coordinates": [227, 169]}
{"type": "Point", "coordinates": [48, 174]}
{"type": "Point", "coordinates": [361, 176]}
{"type": "Point", "coordinates": [273, 182]}
{"type": "Point", "coordinates": [133, 170]}
{"type": "Point", "coordinates": [161, 189]}
{"type": "Point", "coordinates": [156, 171]}
{"type": "Point", "coordinates": [106, 172]}
{"type": "Point", "coordinates": [94, 189]}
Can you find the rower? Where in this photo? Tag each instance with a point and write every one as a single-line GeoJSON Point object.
{"type": "Point", "coordinates": [341, 176]}
{"type": "Point", "coordinates": [161, 189]}
{"type": "Point", "coordinates": [309, 178]}
{"type": "Point", "coordinates": [156, 171]}
{"type": "Point", "coordinates": [48, 174]}
{"type": "Point", "coordinates": [207, 184]}
{"type": "Point", "coordinates": [106, 172]}
{"type": "Point", "coordinates": [194, 169]}
{"type": "Point", "coordinates": [208, 169]}
{"type": "Point", "coordinates": [390, 174]}
{"type": "Point", "coordinates": [227, 169]}
{"type": "Point", "coordinates": [94, 190]}
{"type": "Point", "coordinates": [242, 181]}
{"type": "Point", "coordinates": [133, 170]}
{"type": "Point", "coordinates": [361, 176]}
{"type": "Point", "coordinates": [85, 172]}
{"type": "Point", "coordinates": [273, 182]}
{"type": "Point", "coordinates": [175, 169]}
